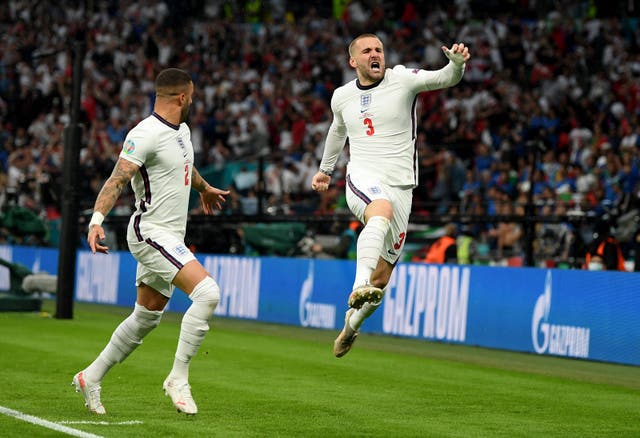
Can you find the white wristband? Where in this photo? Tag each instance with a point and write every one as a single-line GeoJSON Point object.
{"type": "Point", "coordinates": [96, 219]}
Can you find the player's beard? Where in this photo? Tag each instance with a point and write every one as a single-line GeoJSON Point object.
{"type": "Point", "coordinates": [370, 76]}
{"type": "Point", "coordinates": [184, 114]}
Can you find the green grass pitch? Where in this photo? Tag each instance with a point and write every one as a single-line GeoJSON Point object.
{"type": "Point", "coordinates": [264, 380]}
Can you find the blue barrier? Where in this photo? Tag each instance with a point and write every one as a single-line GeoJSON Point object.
{"type": "Point", "coordinates": [579, 314]}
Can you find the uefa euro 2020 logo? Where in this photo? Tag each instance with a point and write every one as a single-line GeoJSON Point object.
{"type": "Point", "coordinates": [129, 147]}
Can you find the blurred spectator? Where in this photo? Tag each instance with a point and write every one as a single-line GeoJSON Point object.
{"type": "Point", "coordinates": [445, 248]}
{"type": "Point", "coordinates": [249, 203]}
{"type": "Point", "coordinates": [507, 234]}
{"type": "Point", "coordinates": [449, 182]}
{"type": "Point", "coordinates": [636, 251]}
{"type": "Point", "coordinates": [238, 141]}
{"type": "Point", "coordinates": [218, 155]}
{"type": "Point", "coordinates": [467, 246]}
{"type": "Point", "coordinates": [556, 242]}
{"type": "Point", "coordinates": [273, 174]}
{"type": "Point", "coordinates": [569, 80]}
{"type": "Point", "coordinates": [345, 247]}
{"type": "Point", "coordinates": [604, 253]}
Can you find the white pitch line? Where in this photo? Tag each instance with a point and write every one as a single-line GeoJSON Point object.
{"type": "Point", "coordinates": [104, 423]}
{"type": "Point", "coordinates": [48, 424]}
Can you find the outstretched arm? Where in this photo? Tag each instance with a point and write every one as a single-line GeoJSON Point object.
{"type": "Point", "coordinates": [458, 53]}
{"type": "Point", "coordinates": [210, 196]}
{"type": "Point", "coordinates": [109, 194]}
{"type": "Point", "coordinates": [451, 73]}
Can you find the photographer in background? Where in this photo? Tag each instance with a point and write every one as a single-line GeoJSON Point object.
{"type": "Point", "coordinates": [604, 253]}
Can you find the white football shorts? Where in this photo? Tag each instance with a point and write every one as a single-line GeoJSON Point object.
{"type": "Point", "coordinates": [362, 189]}
{"type": "Point", "coordinates": [160, 256]}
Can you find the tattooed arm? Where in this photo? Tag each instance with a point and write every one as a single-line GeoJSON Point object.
{"type": "Point", "coordinates": [209, 196]}
{"type": "Point", "coordinates": [109, 194]}
{"type": "Point", "coordinates": [197, 181]}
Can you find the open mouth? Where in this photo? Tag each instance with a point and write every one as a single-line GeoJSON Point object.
{"type": "Point", "coordinates": [375, 66]}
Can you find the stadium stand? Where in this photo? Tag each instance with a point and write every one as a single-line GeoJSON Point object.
{"type": "Point", "coordinates": [545, 124]}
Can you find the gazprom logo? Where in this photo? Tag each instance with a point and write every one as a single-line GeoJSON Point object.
{"type": "Point", "coordinates": [428, 301]}
{"type": "Point", "coordinates": [314, 314]}
{"type": "Point", "coordinates": [561, 340]}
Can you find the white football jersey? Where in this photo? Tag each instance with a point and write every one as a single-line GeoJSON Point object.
{"type": "Point", "coordinates": [162, 185]}
{"type": "Point", "coordinates": [380, 122]}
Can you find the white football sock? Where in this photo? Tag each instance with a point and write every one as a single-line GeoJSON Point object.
{"type": "Point", "coordinates": [125, 338]}
{"type": "Point", "coordinates": [194, 327]}
{"type": "Point", "coordinates": [357, 318]}
{"type": "Point", "coordinates": [370, 244]}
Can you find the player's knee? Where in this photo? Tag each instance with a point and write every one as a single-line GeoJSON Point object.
{"type": "Point", "coordinates": [380, 222]}
{"type": "Point", "coordinates": [206, 292]}
{"type": "Point", "coordinates": [147, 319]}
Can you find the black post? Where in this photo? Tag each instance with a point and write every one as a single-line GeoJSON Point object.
{"type": "Point", "coordinates": [529, 222]}
{"type": "Point", "coordinates": [69, 230]}
{"type": "Point", "coordinates": [261, 184]}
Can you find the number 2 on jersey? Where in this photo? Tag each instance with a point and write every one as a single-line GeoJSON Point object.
{"type": "Point", "coordinates": [369, 124]}
{"type": "Point", "coordinates": [186, 174]}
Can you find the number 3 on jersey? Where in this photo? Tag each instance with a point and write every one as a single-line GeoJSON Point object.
{"type": "Point", "coordinates": [369, 124]}
{"type": "Point", "coordinates": [398, 244]}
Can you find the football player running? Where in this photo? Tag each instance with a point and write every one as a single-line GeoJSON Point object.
{"type": "Point", "coordinates": [157, 159]}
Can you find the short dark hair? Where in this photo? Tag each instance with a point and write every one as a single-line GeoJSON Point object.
{"type": "Point", "coordinates": [172, 80]}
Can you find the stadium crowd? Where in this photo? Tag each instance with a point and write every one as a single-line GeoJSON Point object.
{"type": "Point", "coordinates": [562, 86]}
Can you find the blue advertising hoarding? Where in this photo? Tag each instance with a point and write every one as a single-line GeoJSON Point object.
{"type": "Point", "coordinates": [579, 314]}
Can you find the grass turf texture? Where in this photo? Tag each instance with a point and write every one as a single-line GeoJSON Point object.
{"type": "Point", "coordinates": [254, 379]}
